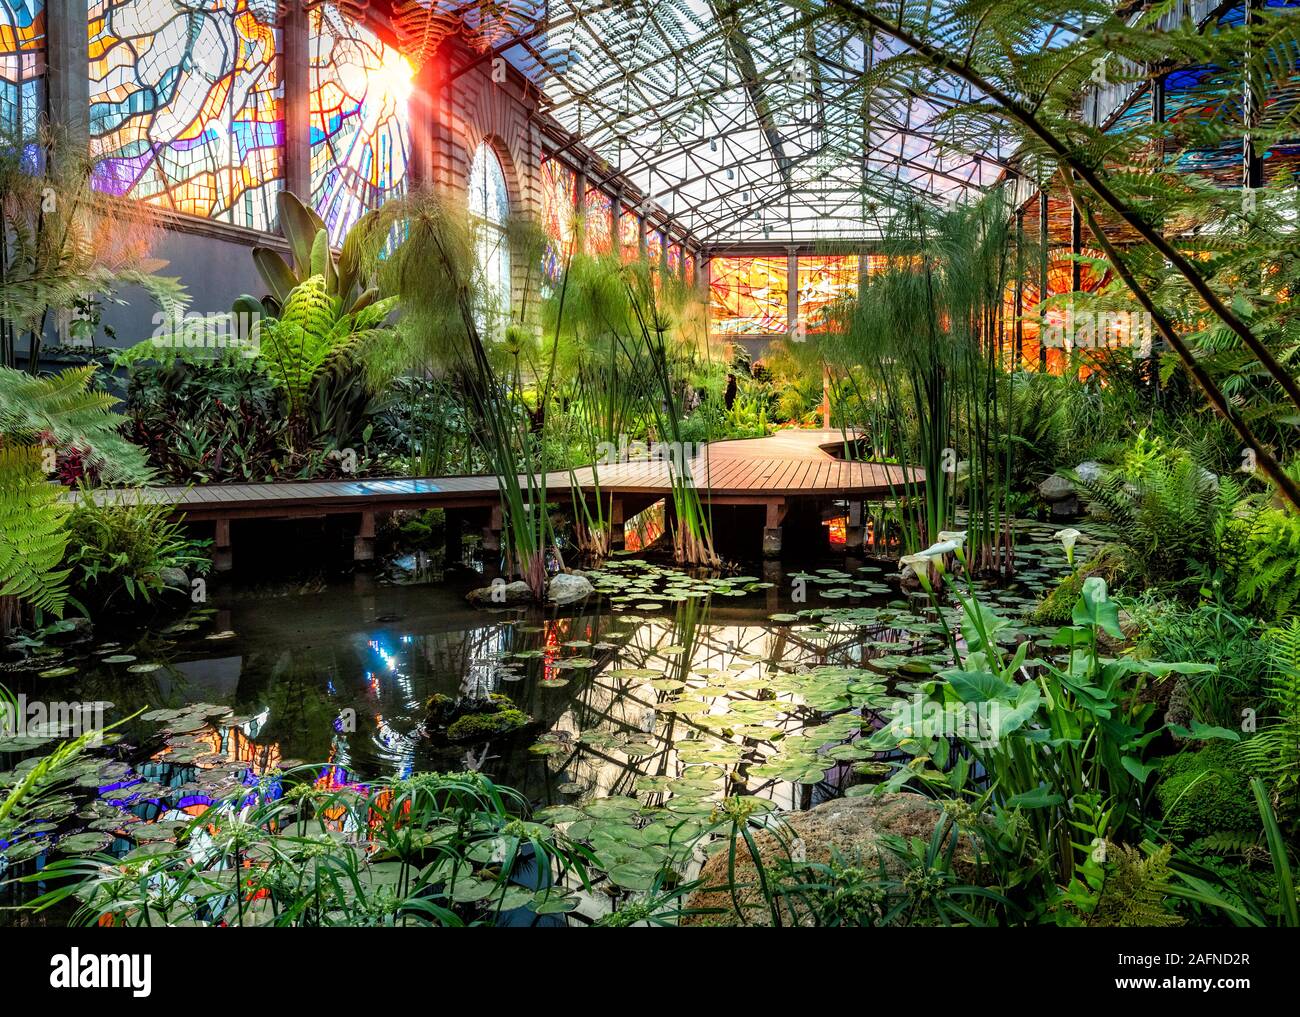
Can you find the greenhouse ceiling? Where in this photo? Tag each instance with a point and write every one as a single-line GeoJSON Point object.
{"type": "Point", "coordinates": [745, 121]}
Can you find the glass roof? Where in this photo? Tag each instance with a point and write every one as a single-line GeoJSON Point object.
{"type": "Point", "coordinates": [744, 120]}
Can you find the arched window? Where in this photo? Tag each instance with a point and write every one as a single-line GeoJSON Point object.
{"type": "Point", "coordinates": [489, 207]}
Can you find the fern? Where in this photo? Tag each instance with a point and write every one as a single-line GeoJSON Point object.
{"type": "Point", "coordinates": [33, 532]}
{"type": "Point", "coordinates": [313, 335]}
{"type": "Point", "coordinates": [1269, 572]}
{"type": "Point", "coordinates": [1136, 890]}
{"type": "Point", "coordinates": [1274, 751]}
{"type": "Point", "coordinates": [1169, 512]}
{"type": "Point", "coordinates": [64, 412]}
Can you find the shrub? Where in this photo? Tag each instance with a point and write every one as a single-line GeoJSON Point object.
{"type": "Point", "coordinates": [1169, 511]}
{"type": "Point", "coordinates": [1268, 572]}
{"type": "Point", "coordinates": [1208, 632]}
{"type": "Point", "coordinates": [1205, 791]}
{"type": "Point", "coordinates": [120, 547]}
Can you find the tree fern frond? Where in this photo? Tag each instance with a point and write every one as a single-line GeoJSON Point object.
{"type": "Point", "coordinates": [33, 532]}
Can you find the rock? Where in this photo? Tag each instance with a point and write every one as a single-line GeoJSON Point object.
{"type": "Point", "coordinates": [1064, 510]}
{"type": "Point", "coordinates": [1179, 709]}
{"type": "Point", "coordinates": [500, 594]}
{"type": "Point", "coordinates": [1088, 471]}
{"type": "Point", "coordinates": [851, 826]}
{"type": "Point", "coordinates": [910, 582]}
{"type": "Point", "coordinates": [1128, 625]}
{"type": "Point", "coordinates": [567, 588]}
{"type": "Point", "coordinates": [174, 579]}
{"type": "Point", "coordinates": [1056, 488]}
{"type": "Point", "coordinates": [70, 630]}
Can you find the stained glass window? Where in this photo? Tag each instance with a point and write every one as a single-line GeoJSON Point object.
{"type": "Point", "coordinates": [822, 281]}
{"type": "Point", "coordinates": [747, 296]}
{"type": "Point", "coordinates": [489, 207]}
{"type": "Point", "coordinates": [22, 65]}
{"type": "Point", "coordinates": [675, 259]}
{"type": "Point", "coordinates": [559, 201]}
{"type": "Point", "coordinates": [360, 120]}
{"type": "Point", "coordinates": [186, 107]}
{"type": "Point", "coordinates": [598, 221]}
{"type": "Point", "coordinates": [688, 263]}
{"type": "Point", "coordinates": [654, 245]}
{"type": "Point", "coordinates": [629, 243]}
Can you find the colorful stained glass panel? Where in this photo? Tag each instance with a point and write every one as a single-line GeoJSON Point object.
{"type": "Point", "coordinates": [559, 201]}
{"type": "Point", "coordinates": [654, 245]}
{"type": "Point", "coordinates": [360, 120]}
{"type": "Point", "coordinates": [628, 242]}
{"type": "Point", "coordinates": [186, 107]}
{"type": "Point", "coordinates": [747, 296]}
{"type": "Point", "coordinates": [598, 221]}
{"type": "Point", "coordinates": [22, 65]}
{"type": "Point", "coordinates": [823, 280]}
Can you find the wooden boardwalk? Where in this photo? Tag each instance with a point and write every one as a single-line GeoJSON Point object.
{"type": "Point", "coordinates": [754, 471]}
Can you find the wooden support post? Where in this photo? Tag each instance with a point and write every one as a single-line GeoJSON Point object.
{"type": "Point", "coordinates": [453, 538]}
{"type": "Point", "coordinates": [772, 528]}
{"type": "Point", "coordinates": [617, 537]}
{"type": "Point", "coordinates": [773, 576]}
{"type": "Point", "coordinates": [492, 531]}
{"type": "Point", "coordinates": [853, 530]}
{"type": "Point", "coordinates": [363, 545]}
{"type": "Point", "coordinates": [223, 559]}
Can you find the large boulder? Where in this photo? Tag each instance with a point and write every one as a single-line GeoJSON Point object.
{"type": "Point", "coordinates": [568, 588]}
{"type": "Point", "coordinates": [851, 826]}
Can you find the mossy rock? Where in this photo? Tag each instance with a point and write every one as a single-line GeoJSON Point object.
{"type": "Point", "coordinates": [1206, 791]}
{"type": "Point", "coordinates": [1058, 606]}
{"type": "Point", "coordinates": [474, 726]}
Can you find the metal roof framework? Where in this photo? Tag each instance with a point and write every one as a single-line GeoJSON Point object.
{"type": "Point", "coordinates": [746, 121]}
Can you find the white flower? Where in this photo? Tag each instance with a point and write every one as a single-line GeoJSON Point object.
{"type": "Point", "coordinates": [1067, 539]}
{"type": "Point", "coordinates": [943, 547]}
{"type": "Point", "coordinates": [959, 536]}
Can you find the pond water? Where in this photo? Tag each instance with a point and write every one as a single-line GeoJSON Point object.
{"type": "Point", "coordinates": [665, 684]}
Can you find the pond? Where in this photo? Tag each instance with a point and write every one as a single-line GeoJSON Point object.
{"type": "Point", "coordinates": [666, 686]}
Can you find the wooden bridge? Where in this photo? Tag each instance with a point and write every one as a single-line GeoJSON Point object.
{"type": "Point", "coordinates": [771, 472]}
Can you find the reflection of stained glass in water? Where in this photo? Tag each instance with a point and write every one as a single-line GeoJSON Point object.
{"type": "Point", "coordinates": [747, 296]}
{"type": "Point", "coordinates": [559, 196]}
{"type": "Point", "coordinates": [22, 65]}
{"type": "Point", "coordinates": [186, 107]}
{"type": "Point", "coordinates": [629, 243]}
{"type": "Point", "coordinates": [598, 221]}
{"type": "Point", "coordinates": [823, 280]}
{"type": "Point", "coordinates": [360, 120]}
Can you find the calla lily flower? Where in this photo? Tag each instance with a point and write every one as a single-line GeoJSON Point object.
{"type": "Point", "coordinates": [952, 535]}
{"type": "Point", "coordinates": [943, 547]}
{"type": "Point", "coordinates": [1067, 539]}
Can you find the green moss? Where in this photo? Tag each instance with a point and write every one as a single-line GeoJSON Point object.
{"type": "Point", "coordinates": [484, 725]}
{"type": "Point", "coordinates": [1202, 792]}
{"type": "Point", "coordinates": [1056, 608]}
